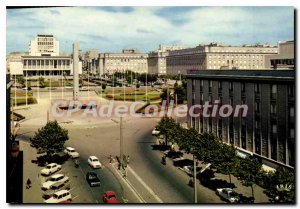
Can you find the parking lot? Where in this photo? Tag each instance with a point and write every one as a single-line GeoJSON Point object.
{"type": "Point", "coordinates": [79, 188]}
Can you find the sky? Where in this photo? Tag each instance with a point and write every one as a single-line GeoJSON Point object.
{"type": "Point", "coordinates": [111, 29]}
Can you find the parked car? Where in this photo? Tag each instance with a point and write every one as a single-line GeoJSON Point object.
{"type": "Point", "coordinates": [71, 152]}
{"type": "Point", "coordinates": [228, 195]}
{"type": "Point", "coordinates": [59, 197]}
{"type": "Point", "coordinates": [155, 132]}
{"type": "Point", "coordinates": [54, 179]}
{"type": "Point", "coordinates": [110, 197]}
{"type": "Point", "coordinates": [190, 170]}
{"type": "Point", "coordinates": [55, 188]}
{"type": "Point", "coordinates": [92, 179]}
{"type": "Point", "coordinates": [50, 169]}
{"type": "Point", "coordinates": [94, 162]}
{"type": "Point", "coordinates": [173, 154]}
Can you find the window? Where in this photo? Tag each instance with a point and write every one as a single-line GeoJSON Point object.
{"type": "Point", "coordinates": [243, 87]}
{"type": "Point", "coordinates": [274, 129]}
{"type": "Point", "coordinates": [292, 133]}
{"type": "Point", "coordinates": [231, 86]}
{"type": "Point", "coordinates": [273, 108]}
{"type": "Point", "coordinates": [257, 87]}
{"type": "Point", "coordinates": [257, 106]}
{"type": "Point", "coordinates": [292, 112]}
{"type": "Point", "coordinates": [274, 88]}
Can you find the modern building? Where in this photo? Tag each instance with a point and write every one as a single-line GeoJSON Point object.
{"type": "Point", "coordinates": [129, 59]}
{"type": "Point", "coordinates": [43, 59]}
{"type": "Point", "coordinates": [157, 59]}
{"type": "Point", "coordinates": [268, 130]}
{"type": "Point", "coordinates": [285, 59]}
{"type": "Point", "coordinates": [44, 45]}
{"type": "Point", "coordinates": [216, 56]}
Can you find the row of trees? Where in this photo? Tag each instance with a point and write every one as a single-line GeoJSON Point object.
{"type": "Point", "coordinates": [208, 148]}
{"type": "Point", "coordinates": [179, 90]}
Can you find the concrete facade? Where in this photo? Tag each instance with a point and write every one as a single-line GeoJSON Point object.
{"type": "Point", "coordinates": [44, 45]}
{"type": "Point", "coordinates": [157, 63]}
{"type": "Point", "coordinates": [129, 59]}
{"type": "Point", "coordinates": [215, 56]}
{"type": "Point", "coordinates": [41, 63]}
{"type": "Point", "coordinates": [285, 59]}
{"type": "Point", "coordinates": [268, 130]}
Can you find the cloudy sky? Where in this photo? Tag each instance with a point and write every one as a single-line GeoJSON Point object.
{"type": "Point", "coordinates": [110, 29]}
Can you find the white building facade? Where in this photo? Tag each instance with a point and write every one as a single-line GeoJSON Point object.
{"type": "Point", "coordinates": [215, 56]}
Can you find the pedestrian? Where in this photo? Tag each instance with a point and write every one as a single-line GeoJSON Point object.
{"type": "Point", "coordinates": [110, 159]}
{"type": "Point", "coordinates": [128, 158]}
{"type": "Point", "coordinates": [28, 184]}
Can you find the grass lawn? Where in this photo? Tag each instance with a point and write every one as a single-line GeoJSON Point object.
{"type": "Point", "coordinates": [21, 98]}
{"type": "Point", "coordinates": [131, 95]}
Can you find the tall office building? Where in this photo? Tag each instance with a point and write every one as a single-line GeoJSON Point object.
{"type": "Point", "coordinates": [268, 130]}
{"type": "Point", "coordinates": [216, 56]}
{"type": "Point", "coordinates": [44, 45]}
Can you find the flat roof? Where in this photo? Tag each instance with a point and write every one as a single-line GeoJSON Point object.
{"type": "Point", "coordinates": [282, 75]}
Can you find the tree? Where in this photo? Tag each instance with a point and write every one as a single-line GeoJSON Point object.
{"type": "Point", "coordinates": [249, 171]}
{"type": "Point", "coordinates": [42, 82]}
{"type": "Point", "coordinates": [166, 127]}
{"type": "Point", "coordinates": [29, 85]}
{"type": "Point", "coordinates": [21, 80]}
{"type": "Point", "coordinates": [164, 95]}
{"type": "Point", "coordinates": [281, 184]}
{"type": "Point", "coordinates": [103, 86]}
{"type": "Point", "coordinates": [227, 160]}
{"type": "Point", "coordinates": [180, 92]}
{"type": "Point", "coordinates": [50, 138]}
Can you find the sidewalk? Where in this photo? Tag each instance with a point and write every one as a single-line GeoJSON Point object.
{"type": "Point", "coordinates": [30, 170]}
{"type": "Point", "coordinates": [260, 196]}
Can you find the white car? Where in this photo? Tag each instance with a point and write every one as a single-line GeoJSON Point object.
{"type": "Point", "coordinates": [228, 194]}
{"type": "Point", "coordinates": [54, 179]}
{"type": "Point", "coordinates": [50, 169]}
{"type": "Point", "coordinates": [71, 152]}
{"type": "Point", "coordinates": [155, 132]}
{"type": "Point", "coordinates": [94, 162]}
{"type": "Point", "coordinates": [55, 188]}
{"type": "Point", "coordinates": [59, 197]}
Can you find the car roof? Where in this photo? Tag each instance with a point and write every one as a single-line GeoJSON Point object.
{"type": "Point", "coordinates": [70, 148]}
{"type": "Point", "coordinates": [91, 173]}
{"type": "Point", "coordinates": [93, 157]}
{"type": "Point", "coordinates": [52, 164]}
{"type": "Point", "coordinates": [57, 175]}
{"type": "Point", "coordinates": [110, 193]}
{"type": "Point", "coordinates": [61, 192]}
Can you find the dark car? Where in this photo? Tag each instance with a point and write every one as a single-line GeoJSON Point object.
{"type": "Point", "coordinates": [92, 179]}
{"type": "Point", "coordinates": [110, 197]}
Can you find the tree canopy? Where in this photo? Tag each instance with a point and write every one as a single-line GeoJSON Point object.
{"type": "Point", "coordinates": [50, 138]}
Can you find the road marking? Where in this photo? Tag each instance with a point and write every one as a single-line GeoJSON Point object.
{"type": "Point", "coordinates": [145, 185]}
{"type": "Point", "coordinates": [130, 186]}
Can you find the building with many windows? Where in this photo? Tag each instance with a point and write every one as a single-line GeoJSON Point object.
{"type": "Point", "coordinates": [44, 45]}
{"type": "Point", "coordinates": [285, 59]}
{"type": "Point", "coordinates": [157, 59]}
{"type": "Point", "coordinates": [268, 130]}
{"type": "Point", "coordinates": [129, 59]}
{"type": "Point", "coordinates": [216, 56]}
{"type": "Point", "coordinates": [43, 59]}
